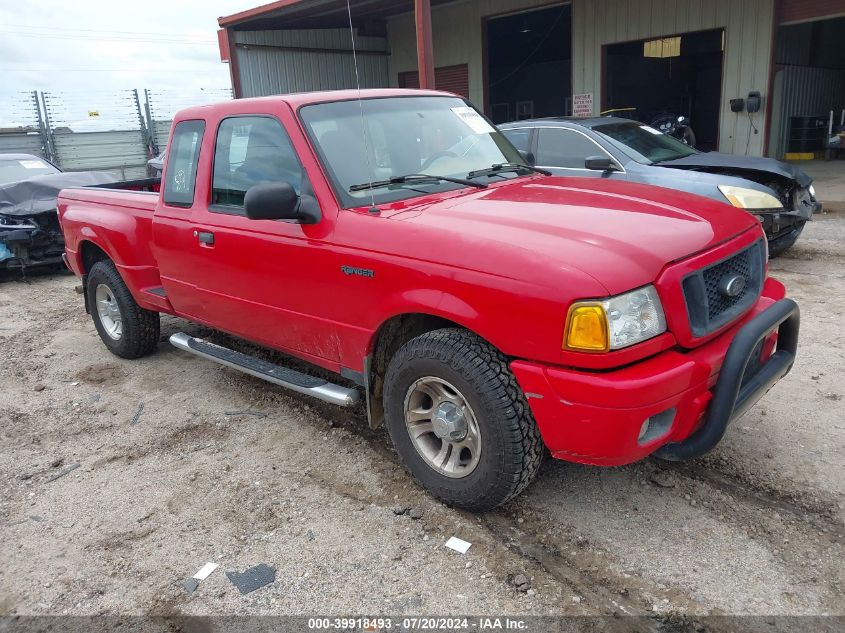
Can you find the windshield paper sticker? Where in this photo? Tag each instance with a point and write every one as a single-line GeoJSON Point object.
{"type": "Point", "coordinates": [475, 121]}
{"type": "Point", "coordinates": [650, 129]}
{"type": "Point", "coordinates": [31, 164]}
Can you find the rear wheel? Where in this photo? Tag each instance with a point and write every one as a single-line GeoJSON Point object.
{"type": "Point", "coordinates": [128, 330]}
{"type": "Point", "coordinates": [459, 420]}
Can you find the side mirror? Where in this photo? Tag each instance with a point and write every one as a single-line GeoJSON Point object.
{"type": "Point", "coordinates": [600, 163]}
{"type": "Point", "coordinates": [528, 157]}
{"type": "Point", "coordinates": [275, 201]}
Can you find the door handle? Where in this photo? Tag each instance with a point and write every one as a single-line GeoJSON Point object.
{"type": "Point", "coordinates": [205, 237]}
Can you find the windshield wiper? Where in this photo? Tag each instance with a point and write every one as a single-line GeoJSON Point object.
{"type": "Point", "coordinates": [415, 178]}
{"type": "Point", "coordinates": [500, 167]}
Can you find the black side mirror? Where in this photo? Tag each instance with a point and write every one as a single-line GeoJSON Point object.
{"type": "Point", "coordinates": [600, 163]}
{"type": "Point", "coordinates": [275, 201]}
{"type": "Point", "coordinates": [528, 157]}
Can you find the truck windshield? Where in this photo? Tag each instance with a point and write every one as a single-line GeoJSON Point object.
{"type": "Point", "coordinates": [376, 140]}
{"type": "Point", "coordinates": [16, 169]}
{"type": "Point", "coordinates": [643, 143]}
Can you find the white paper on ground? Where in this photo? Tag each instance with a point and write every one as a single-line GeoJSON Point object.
{"type": "Point", "coordinates": [205, 570]}
{"type": "Point", "coordinates": [457, 544]}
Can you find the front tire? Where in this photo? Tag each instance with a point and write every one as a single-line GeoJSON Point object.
{"type": "Point", "coordinates": [459, 420]}
{"type": "Point", "coordinates": [125, 328]}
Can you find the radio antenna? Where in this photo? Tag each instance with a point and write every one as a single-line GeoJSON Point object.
{"type": "Point", "coordinates": [373, 208]}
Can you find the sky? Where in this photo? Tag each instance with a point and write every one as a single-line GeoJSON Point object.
{"type": "Point", "coordinates": [87, 51]}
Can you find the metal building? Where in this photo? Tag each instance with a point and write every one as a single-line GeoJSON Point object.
{"type": "Point", "coordinates": [524, 58]}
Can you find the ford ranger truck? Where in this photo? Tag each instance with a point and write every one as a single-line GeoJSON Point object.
{"type": "Point", "coordinates": [482, 310]}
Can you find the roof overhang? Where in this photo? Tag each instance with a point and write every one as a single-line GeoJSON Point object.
{"type": "Point", "coordinates": [317, 14]}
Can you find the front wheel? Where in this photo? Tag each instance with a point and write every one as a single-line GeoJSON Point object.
{"type": "Point", "coordinates": [128, 330]}
{"type": "Point", "coordinates": [459, 421]}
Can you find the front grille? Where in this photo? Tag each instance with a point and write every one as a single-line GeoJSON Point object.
{"type": "Point", "coordinates": [710, 305]}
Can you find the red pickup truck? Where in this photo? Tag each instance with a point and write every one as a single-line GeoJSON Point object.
{"type": "Point", "coordinates": [481, 308]}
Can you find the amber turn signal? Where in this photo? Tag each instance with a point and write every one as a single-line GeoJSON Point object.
{"type": "Point", "coordinates": [586, 329]}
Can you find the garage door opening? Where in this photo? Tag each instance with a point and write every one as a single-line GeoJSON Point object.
{"type": "Point", "coordinates": [679, 75]}
{"type": "Point", "coordinates": [529, 64]}
{"type": "Point", "coordinates": [808, 102]}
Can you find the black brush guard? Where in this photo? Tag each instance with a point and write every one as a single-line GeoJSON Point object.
{"type": "Point", "coordinates": [735, 391]}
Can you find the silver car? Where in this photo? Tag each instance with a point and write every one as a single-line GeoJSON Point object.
{"type": "Point", "coordinates": [780, 195]}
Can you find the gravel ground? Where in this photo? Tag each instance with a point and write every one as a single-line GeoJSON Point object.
{"type": "Point", "coordinates": [182, 462]}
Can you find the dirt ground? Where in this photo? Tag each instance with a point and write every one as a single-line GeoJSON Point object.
{"type": "Point", "coordinates": [183, 462]}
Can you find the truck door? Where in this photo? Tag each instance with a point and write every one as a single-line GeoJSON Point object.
{"type": "Point", "coordinates": [264, 280]}
{"type": "Point", "coordinates": [173, 241]}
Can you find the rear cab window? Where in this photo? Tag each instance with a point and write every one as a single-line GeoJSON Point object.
{"type": "Point", "coordinates": [183, 156]}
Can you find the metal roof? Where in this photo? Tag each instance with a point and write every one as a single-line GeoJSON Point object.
{"type": "Point", "coordinates": [303, 14]}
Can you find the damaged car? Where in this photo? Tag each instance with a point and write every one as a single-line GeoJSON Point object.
{"type": "Point", "coordinates": [30, 234]}
{"type": "Point", "coordinates": [778, 194]}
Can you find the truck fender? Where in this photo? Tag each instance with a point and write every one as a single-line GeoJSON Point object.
{"type": "Point", "coordinates": [422, 310]}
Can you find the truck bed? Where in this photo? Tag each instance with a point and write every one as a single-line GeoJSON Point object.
{"type": "Point", "coordinates": [118, 222]}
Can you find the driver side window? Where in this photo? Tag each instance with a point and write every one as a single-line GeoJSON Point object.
{"type": "Point", "coordinates": [558, 147]}
{"type": "Point", "coordinates": [250, 150]}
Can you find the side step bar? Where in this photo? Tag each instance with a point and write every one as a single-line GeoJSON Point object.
{"type": "Point", "coordinates": [278, 375]}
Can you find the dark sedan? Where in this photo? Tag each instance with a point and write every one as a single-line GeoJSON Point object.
{"type": "Point", "coordinates": [779, 194]}
{"type": "Point", "coordinates": [30, 234]}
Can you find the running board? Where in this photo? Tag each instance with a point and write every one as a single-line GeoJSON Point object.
{"type": "Point", "coordinates": [278, 375]}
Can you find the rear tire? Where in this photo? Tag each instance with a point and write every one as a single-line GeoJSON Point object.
{"type": "Point", "coordinates": [501, 450]}
{"type": "Point", "coordinates": [125, 328]}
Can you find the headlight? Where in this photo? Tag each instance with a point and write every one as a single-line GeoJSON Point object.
{"type": "Point", "coordinates": [812, 191]}
{"type": "Point", "coordinates": [749, 198]}
{"type": "Point", "coordinates": [621, 321]}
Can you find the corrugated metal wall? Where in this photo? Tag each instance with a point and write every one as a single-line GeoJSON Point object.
{"type": "Point", "coordinates": [121, 151]}
{"type": "Point", "coordinates": [596, 23]}
{"type": "Point", "coordinates": [803, 91]}
{"type": "Point", "coordinates": [21, 143]}
{"type": "Point", "coordinates": [270, 64]}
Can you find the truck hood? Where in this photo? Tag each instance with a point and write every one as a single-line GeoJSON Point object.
{"type": "Point", "coordinates": [621, 234]}
{"type": "Point", "coordinates": [712, 161]}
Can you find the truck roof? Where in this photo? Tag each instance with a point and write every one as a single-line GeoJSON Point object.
{"type": "Point", "coordinates": [298, 99]}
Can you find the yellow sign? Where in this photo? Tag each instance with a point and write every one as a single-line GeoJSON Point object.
{"type": "Point", "coordinates": [93, 113]}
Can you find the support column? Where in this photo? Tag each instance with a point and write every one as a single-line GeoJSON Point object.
{"type": "Point", "coordinates": [425, 46]}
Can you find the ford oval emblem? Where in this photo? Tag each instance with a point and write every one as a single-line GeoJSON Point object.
{"type": "Point", "coordinates": [732, 285]}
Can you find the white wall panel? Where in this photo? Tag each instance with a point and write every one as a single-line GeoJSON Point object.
{"type": "Point", "coordinates": [748, 34]}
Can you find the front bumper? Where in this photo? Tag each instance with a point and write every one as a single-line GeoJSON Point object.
{"type": "Point", "coordinates": [28, 242]}
{"type": "Point", "coordinates": [688, 397]}
{"type": "Point", "coordinates": [779, 223]}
